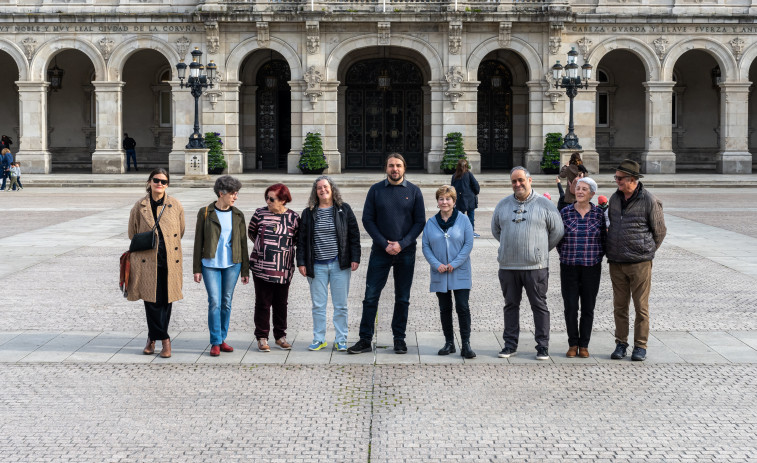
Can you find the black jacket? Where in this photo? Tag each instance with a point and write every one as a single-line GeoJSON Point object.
{"type": "Point", "coordinates": [347, 235]}
{"type": "Point", "coordinates": [637, 230]}
{"type": "Point", "coordinates": [467, 189]}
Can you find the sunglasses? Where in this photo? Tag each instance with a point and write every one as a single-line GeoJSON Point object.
{"type": "Point", "coordinates": [159, 180]}
{"type": "Point", "coordinates": [271, 199]}
{"type": "Point", "coordinates": [619, 178]}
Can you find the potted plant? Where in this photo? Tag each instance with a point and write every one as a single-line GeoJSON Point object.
{"type": "Point", "coordinates": [550, 159]}
{"type": "Point", "coordinates": [453, 152]}
{"type": "Point", "coordinates": [216, 161]}
{"type": "Point", "coordinates": [312, 159]}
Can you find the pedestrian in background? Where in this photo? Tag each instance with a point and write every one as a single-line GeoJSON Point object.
{"type": "Point", "coordinates": [447, 244]}
{"type": "Point", "coordinates": [394, 216]}
{"type": "Point", "coordinates": [220, 257]}
{"type": "Point", "coordinates": [467, 189]}
{"type": "Point", "coordinates": [6, 142]}
{"type": "Point", "coordinates": [274, 233]}
{"type": "Point", "coordinates": [574, 169]}
{"type": "Point", "coordinates": [15, 176]}
{"type": "Point", "coordinates": [129, 145]}
{"type": "Point", "coordinates": [581, 250]}
{"type": "Point", "coordinates": [156, 274]}
{"type": "Point", "coordinates": [328, 251]}
{"type": "Point", "coordinates": [7, 161]}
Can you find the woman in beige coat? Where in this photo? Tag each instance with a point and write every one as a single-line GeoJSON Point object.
{"type": "Point", "coordinates": [156, 274]}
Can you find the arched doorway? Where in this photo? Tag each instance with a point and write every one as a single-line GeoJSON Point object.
{"type": "Point", "coordinates": [72, 113]}
{"type": "Point", "coordinates": [495, 123]}
{"type": "Point", "coordinates": [9, 95]}
{"type": "Point", "coordinates": [273, 102]}
{"type": "Point", "coordinates": [384, 113]}
{"type": "Point", "coordinates": [147, 107]}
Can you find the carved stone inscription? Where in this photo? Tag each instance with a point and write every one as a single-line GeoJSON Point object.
{"type": "Point", "coordinates": [664, 29]}
{"type": "Point", "coordinates": [109, 28]}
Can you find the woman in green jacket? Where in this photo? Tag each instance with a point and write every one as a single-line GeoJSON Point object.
{"type": "Point", "coordinates": [220, 256]}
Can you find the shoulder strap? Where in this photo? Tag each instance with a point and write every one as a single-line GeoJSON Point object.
{"type": "Point", "coordinates": [206, 212]}
{"type": "Point", "coordinates": [159, 216]}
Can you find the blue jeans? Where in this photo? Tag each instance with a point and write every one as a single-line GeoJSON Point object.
{"type": "Point", "coordinates": [6, 176]}
{"type": "Point", "coordinates": [339, 280]}
{"type": "Point", "coordinates": [220, 283]}
{"type": "Point", "coordinates": [471, 213]}
{"type": "Point", "coordinates": [131, 156]}
{"type": "Point", "coordinates": [378, 271]}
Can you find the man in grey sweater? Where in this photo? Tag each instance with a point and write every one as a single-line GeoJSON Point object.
{"type": "Point", "coordinates": [527, 226]}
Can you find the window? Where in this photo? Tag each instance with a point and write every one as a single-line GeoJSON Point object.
{"type": "Point", "coordinates": [603, 101]}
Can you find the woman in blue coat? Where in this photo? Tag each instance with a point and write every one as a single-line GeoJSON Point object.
{"type": "Point", "coordinates": [447, 244]}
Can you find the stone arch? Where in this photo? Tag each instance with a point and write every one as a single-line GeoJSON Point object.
{"type": "Point", "coordinates": [48, 49]}
{"type": "Point", "coordinates": [434, 60]}
{"type": "Point", "coordinates": [18, 56]}
{"type": "Point", "coordinates": [243, 49]}
{"type": "Point", "coordinates": [519, 46]}
{"type": "Point", "coordinates": [643, 51]}
{"type": "Point", "coordinates": [124, 50]}
{"type": "Point", "coordinates": [724, 58]}
{"type": "Point", "coordinates": [745, 63]}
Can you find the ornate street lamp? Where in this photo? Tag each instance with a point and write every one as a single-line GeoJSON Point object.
{"type": "Point", "coordinates": [197, 81]}
{"type": "Point", "coordinates": [571, 82]}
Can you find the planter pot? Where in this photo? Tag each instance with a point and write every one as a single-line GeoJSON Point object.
{"type": "Point", "coordinates": [448, 171]}
{"type": "Point", "coordinates": [551, 170]}
{"type": "Point", "coordinates": [313, 171]}
{"type": "Point", "coordinates": [215, 171]}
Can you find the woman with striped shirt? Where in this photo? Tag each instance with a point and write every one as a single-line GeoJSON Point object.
{"type": "Point", "coordinates": [327, 252]}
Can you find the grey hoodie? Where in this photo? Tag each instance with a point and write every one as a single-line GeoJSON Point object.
{"type": "Point", "coordinates": [526, 238]}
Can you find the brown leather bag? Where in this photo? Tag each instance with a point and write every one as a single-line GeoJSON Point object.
{"type": "Point", "coordinates": [123, 278]}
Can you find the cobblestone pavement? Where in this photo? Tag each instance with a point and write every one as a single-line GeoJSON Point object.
{"type": "Point", "coordinates": [74, 400]}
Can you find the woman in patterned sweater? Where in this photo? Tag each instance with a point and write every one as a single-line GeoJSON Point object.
{"type": "Point", "coordinates": [274, 232]}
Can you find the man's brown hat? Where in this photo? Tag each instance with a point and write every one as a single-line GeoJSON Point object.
{"type": "Point", "coordinates": [630, 167]}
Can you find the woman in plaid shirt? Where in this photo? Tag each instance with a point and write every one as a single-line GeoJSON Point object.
{"type": "Point", "coordinates": [581, 251]}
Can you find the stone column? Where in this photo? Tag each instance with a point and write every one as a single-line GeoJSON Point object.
{"type": "Point", "coordinates": [328, 103]}
{"type": "Point", "coordinates": [658, 156]}
{"type": "Point", "coordinates": [536, 129]}
{"type": "Point", "coordinates": [460, 114]}
{"type": "Point", "coordinates": [585, 124]}
{"type": "Point", "coordinates": [734, 156]}
{"type": "Point", "coordinates": [108, 157]}
{"type": "Point", "coordinates": [341, 114]}
{"type": "Point", "coordinates": [302, 123]}
{"type": "Point", "coordinates": [223, 117]}
{"type": "Point", "coordinates": [183, 126]}
{"type": "Point", "coordinates": [436, 148]}
{"type": "Point", "coordinates": [32, 105]}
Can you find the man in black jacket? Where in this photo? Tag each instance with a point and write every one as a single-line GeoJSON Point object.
{"type": "Point", "coordinates": [131, 154]}
{"type": "Point", "coordinates": [637, 228]}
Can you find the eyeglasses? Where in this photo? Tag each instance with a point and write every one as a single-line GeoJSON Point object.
{"type": "Point", "coordinates": [234, 194]}
{"type": "Point", "coordinates": [617, 179]}
{"type": "Point", "coordinates": [159, 180]}
{"type": "Point", "coordinates": [271, 199]}
{"type": "Point", "coordinates": [519, 218]}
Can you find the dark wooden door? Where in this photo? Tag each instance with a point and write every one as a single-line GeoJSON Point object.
{"type": "Point", "coordinates": [495, 100]}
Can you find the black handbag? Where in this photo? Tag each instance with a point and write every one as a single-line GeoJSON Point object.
{"type": "Point", "coordinates": [146, 240]}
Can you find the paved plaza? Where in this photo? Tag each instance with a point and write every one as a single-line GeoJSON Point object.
{"type": "Point", "coordinates": [77, 388]}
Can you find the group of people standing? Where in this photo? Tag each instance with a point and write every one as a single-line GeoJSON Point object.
{"type": "Point", "coordinates": [324, 242]}
{"type": "Point", "coordinates": [11, 169]}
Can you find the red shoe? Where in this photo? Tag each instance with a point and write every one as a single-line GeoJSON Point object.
{"type": "Point", "coordinates": [215, 351]}
{"type": "Point", "coordinates": [226, 348]}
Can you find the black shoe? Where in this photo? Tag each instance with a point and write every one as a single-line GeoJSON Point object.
{"type": "Point", "coordinates": [507, 352]}
{"type": "Point", "coordinates": [360, 347]}
{"type": "Point", "coordinates": [466, 351]}
{"type": "Point", "coordinates": [449, 348]}
{"type": "Point", "coordinates": [542, 353]}
{"type": "Point", "coordinates": [638, 354]}
{"type": "Point", "coordinates": [400, 347]}
{"type": "Point", "coordinates": [620, 351]}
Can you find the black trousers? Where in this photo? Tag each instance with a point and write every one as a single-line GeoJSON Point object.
{"type": "Point", "coordinates": [579, 283]}
{"type": "Point", "coordinates": [535, 282]}
{"type": "Point", "coordinates": [159, 312]}
{"type": "Point", "coordinates": [463, 314]}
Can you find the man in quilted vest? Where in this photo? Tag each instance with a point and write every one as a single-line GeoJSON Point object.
{"type": "Point", "coordinates": [637, 228]}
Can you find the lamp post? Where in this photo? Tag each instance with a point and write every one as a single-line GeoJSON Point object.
{"type": "Point", "coordinates": [571, 82]}
{"type": "Point", "coordinates": [196, 82]}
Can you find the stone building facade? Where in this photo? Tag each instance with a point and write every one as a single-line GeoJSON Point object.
{"type": "Point", "coordinates": [671, 86]}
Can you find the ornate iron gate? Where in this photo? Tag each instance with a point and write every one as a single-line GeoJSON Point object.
{"type": "Point", "coordinates": [383, 121]}
{"type": "Point", "coordinates": [495, 125]}
{"type": "Point", "coordinates": [273, 114]}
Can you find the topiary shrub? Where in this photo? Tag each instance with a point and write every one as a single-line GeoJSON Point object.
{"type": "Point", "coordinates": [550, 159]}
{"type": "Point", "coordinates": [453, 152]}
{"type": "Point", "coordinates": [216, 161]}
{"type": "Point", "coordinates": [312, 159]}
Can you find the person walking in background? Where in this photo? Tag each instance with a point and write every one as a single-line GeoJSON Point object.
{"type": "Point", "coordinates": [156, 274]}
{"type": "Point", "coordinates": [6, 142]}
{"type": "Point", "coordinates": [527, 226]}
{"type": "Point", "coordinates": [274, 233]}
{"type": "Point", "coordinates": [394, 216]}
{"type": "Point", "coordinates": [7, 161]}
{"type": "Point", "coordinates": [131, 153]}
{"type": "Point", "coordinates": [328, 251]}
{"type": "Point", "coordinates": [15, 176]}
{"type": "Point", "coordinates": [581, 250]}
{"type": "Point", "coordinates": [636, 231]}
{"type": "Point", "coordinates": [467, 189]}
{"type": "Point", "coordinates": [447, 244]}
{"type": "Point", "coordinates": [220, 256]}
{"type": "Point", "coordinates": [574, 169]}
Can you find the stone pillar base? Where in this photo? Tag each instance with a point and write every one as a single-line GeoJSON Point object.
{"type": "Point", "coordinates": [434, 162]}
{"type": "Point", "coordinates": [176, 162]}
{"type": "Point", "coordinates": [108, 162]}
{"type": "Point", "coordinates": [474, 160]}
{"type": "Point", "coordinates": [293, 158]}
{"type": "Point", "coordinates": [734, 162]}
{"type": "Point", "coordinates": [234, 161]}
{"type": "Point", "coordinates": [658, 162]}
{"type": "Point", "coordinates": [533, 161]}
{"type": "Point", "coordinates": [590, 159]}
{"type": "Point", "coordinates": [195, 163]}
{"type": "Point", "coordinates": [34, 162]}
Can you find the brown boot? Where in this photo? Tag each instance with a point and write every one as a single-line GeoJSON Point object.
{"type": "Point", "coordinates": [572, 352]}
{"type": "Point", "coordinates": [583, 352]}
{"type": "Point", "coordinates": [149, 348]}
{"type": "Point", "coordinates": [166, 351]}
